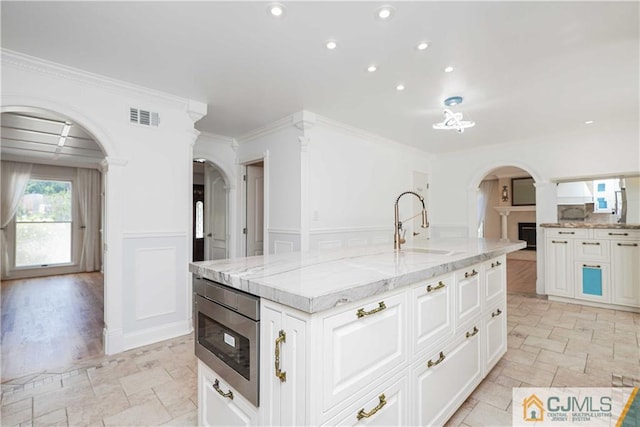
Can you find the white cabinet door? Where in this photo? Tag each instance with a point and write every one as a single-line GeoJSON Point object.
{"type": "Point", "coordinates": [495, 281]}
{"type": "Point", "coordinates": [592, 281]}
{"type": "Point", "coordinates": [384, 406]}
{"type": "Point", "coordinates": [219, 404]}
{"type": "Point", "coordinates": [283, 383]}
{"type": "Point", "coordinates": [432, 311]}
{"type": "Point", "coordinates": [444, 379]}
{"type": "Point", "coordinates": [559, 267]}
{"type": "Point", "coordinates": [361, 344]}
{"type": "Point", "coordinates": [469, 294]}
{"type": "Point", "coordinates": [625, 272]}
{"type": "Point", "coordinates": [495, 336]}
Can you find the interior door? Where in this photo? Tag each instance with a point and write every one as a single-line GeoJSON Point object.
{"type": "Point", "coordinates": [198, 222]}
{"type": "Point", "coordinates": [215, 224]}
{"type": "Point", "coordinates": [255, 209]}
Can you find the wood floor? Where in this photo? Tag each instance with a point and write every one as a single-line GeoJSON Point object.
{"type": "Point", "coordinates": [521, 276]}
{"type": "Point", "coordinates": [50, 322]}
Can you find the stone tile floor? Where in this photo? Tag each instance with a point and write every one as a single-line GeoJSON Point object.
{"type": "Point", "coordinates": [550, 344]}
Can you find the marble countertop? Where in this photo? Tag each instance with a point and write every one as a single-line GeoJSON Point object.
{"type": "Point", "coordinates": [318, 280]}
{"type": "Point", "coordinates": [591, 225]}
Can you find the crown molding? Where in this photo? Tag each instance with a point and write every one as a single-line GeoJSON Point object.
{"type": "Point", "coordinates": [304, 120]}
{"type": "Point", "coordinates": [221, 138]}
{"type": "Point", "coordinates": [21, 61]}
{"type": "Point", "coordinates": [361, 133]}
{"type": "Point", "coordinates": [273, 127]}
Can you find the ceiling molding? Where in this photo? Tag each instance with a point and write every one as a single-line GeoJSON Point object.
{"type": "Point", "coordinates": [72, 163]}
{"type": "Point", "coordinates": [21, 61]}
{"type": "Point", "coordinates": [273, 127]}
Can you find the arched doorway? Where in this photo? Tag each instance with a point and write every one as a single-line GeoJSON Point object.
{"type": "Point", "coordinates": [506, 210]}
{"type": "Point", "coordinates": [53, 282]}
{"type": "Point", "coordinates": [211, 235]}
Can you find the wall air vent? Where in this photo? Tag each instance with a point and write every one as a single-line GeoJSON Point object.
{"type": "Point", "coordinates": [143, 117]}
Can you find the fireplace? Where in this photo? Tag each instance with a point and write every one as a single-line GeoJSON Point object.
{"type": "Point", "coordinates": [527, 232]}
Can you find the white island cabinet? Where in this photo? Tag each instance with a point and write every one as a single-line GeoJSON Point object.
{"type": "Point", "coordinates": [404, 348]}
{"type": "Point", "coordinates": [593, 264]}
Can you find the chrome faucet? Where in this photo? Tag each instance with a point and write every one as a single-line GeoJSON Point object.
{"type": "Point", "coordinates": [397, 239]}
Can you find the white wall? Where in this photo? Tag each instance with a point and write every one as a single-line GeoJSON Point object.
{"type": "Point", "coordinates": [354, 180]}
{"type": "Point", "coordinates": [592, 151]}
{"type": "Point", "coordinates": [148, 210]}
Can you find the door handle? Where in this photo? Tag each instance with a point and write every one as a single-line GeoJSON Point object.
{"type": "Point", "coordinates": [216, 387]}
{"type": "Point", "coordinates": [209, 234]}
{"type": "Point", "coordinates": [282, 337]}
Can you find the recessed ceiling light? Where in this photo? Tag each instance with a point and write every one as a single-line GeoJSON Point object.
{"type": "Point", "coordinates": [448, 69]}
{"type": "Point", "coordinates": [371, 68]}
{"type": "Point", "coordinates": [588, 122]}
{"type": "Point", "coordinates": [385, 13]}
{"type": "Point", "coordinates": [276, 10]}
{"type": "Point", "coordinates": [399, 87]}
{"type": "Point", "coordinates": [422, 45]}
{"type": "Point", "coordinates": [331, 44]}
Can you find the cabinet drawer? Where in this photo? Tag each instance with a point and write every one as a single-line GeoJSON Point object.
{"type": "Point", "coordinates": [444, 379]}
{"type": "Point", "coordinates": [362, 343]}
{"type": "Point", "coordinates": [618, 234]}
{"type": "Point", "coordinates": [432, 308]}
{"type": "Point", "coordinates": [468, 294]}
{"type": "Point", "coordinates": [625, 273]}
{"type": "Point", "coordinates": [496, 281]}
{"type": "Point", "coordinates": [566, 232]}
{"type": "Point", "coordinates": [216, 407]}
{"type": "Point", "coordinates": [386, 405]}
{"type": "Point", "coordinates": [591, 250]}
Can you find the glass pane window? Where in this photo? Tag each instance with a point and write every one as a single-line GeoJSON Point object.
{"type": "Point", "coordinates": [199, 220]}
{"type": "Point", "coordinates": [43, 224]}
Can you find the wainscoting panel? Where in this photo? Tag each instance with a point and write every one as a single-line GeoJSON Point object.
{"type": "Point", "coordinates": [282, 240]}
{"type": "Point", "coordinates": [155, 284]}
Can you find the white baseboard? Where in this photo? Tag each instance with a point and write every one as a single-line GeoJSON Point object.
{"type": "Point", "coordinates": [117, 342]}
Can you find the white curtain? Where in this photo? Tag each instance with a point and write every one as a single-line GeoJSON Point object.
{"type": "Point", "coordinates": [15, 177]}
{"type": "Point", "coordinates": [88, 191]}
{"type": "Point", "coordinates": [486, 188]}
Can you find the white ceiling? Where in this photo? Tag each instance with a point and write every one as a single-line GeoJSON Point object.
{"type": "Point", "coordinates": [525, 69]}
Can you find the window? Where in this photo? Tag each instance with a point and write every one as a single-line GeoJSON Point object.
{"type": "Point", "coordinates": [43, 224]}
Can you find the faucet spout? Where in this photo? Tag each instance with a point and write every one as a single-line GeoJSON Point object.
{"type": "Point", "coordinates": [397, 239]}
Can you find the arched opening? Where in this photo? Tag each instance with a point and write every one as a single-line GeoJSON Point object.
{"type": "Point", "coordinates": [53, 197]}
{"type": "Point", "coordinates": [211, 237]}
{"type": "Point", "coordinates": [506, 210]}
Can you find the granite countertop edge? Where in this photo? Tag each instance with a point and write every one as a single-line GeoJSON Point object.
{"type": "Point", "coordinates": [590, 225]}
{"type": "Point", "coordinates": [324, 301]}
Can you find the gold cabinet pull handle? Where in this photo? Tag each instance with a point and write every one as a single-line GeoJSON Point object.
{"type": "Point", "coordinates": [618, 234]}
{"type": "Point", "coordinates": [431, 363]}
{"type": "Point", "coordinates": [282, 337]}
{"type": "Point", "coordinates": [435, 288]}
{"type": "Point", "coordinates": [216, 387]}
{"type": "Point", "coordinates": [472, 333]}
{"type": "Point", "coordinates": [627, 244]}
{"type": "Point", "coordinates": [559, 241]}
{"type": "Point", "coordinates": [566, 232]}
{"type": "Point", "coordinates": [497, 313]}
{"type": "Point", "coordinates": [591, 243]}
{"type": "Point", "coordinates": [361, 313]}
{"type": "Point", "coordinates": [362, 414]}
{"type": "Point", "coordinates": [497, 264]}
{"type": "Point", "coordinates": [473, 273]}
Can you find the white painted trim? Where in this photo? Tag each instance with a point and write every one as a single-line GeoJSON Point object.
{"type": "Point", "coordinates": [21, 61]}
{"type": "Point", "coordinates": [351, 229]}
{"type": "Point", "coordinates": [515, 208]}
{"type": "Point", "coordinates": [119, 342]}
{"type": "Point", "coordinates": [292, 231]}
{"type": "Point", "coordinates": [153, 234]}
{"type": "Point", "coordinates": [273, 127]}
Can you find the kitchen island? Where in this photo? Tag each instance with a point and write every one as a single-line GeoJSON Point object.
{"type": "Point", "coordinates": [367, 335]}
